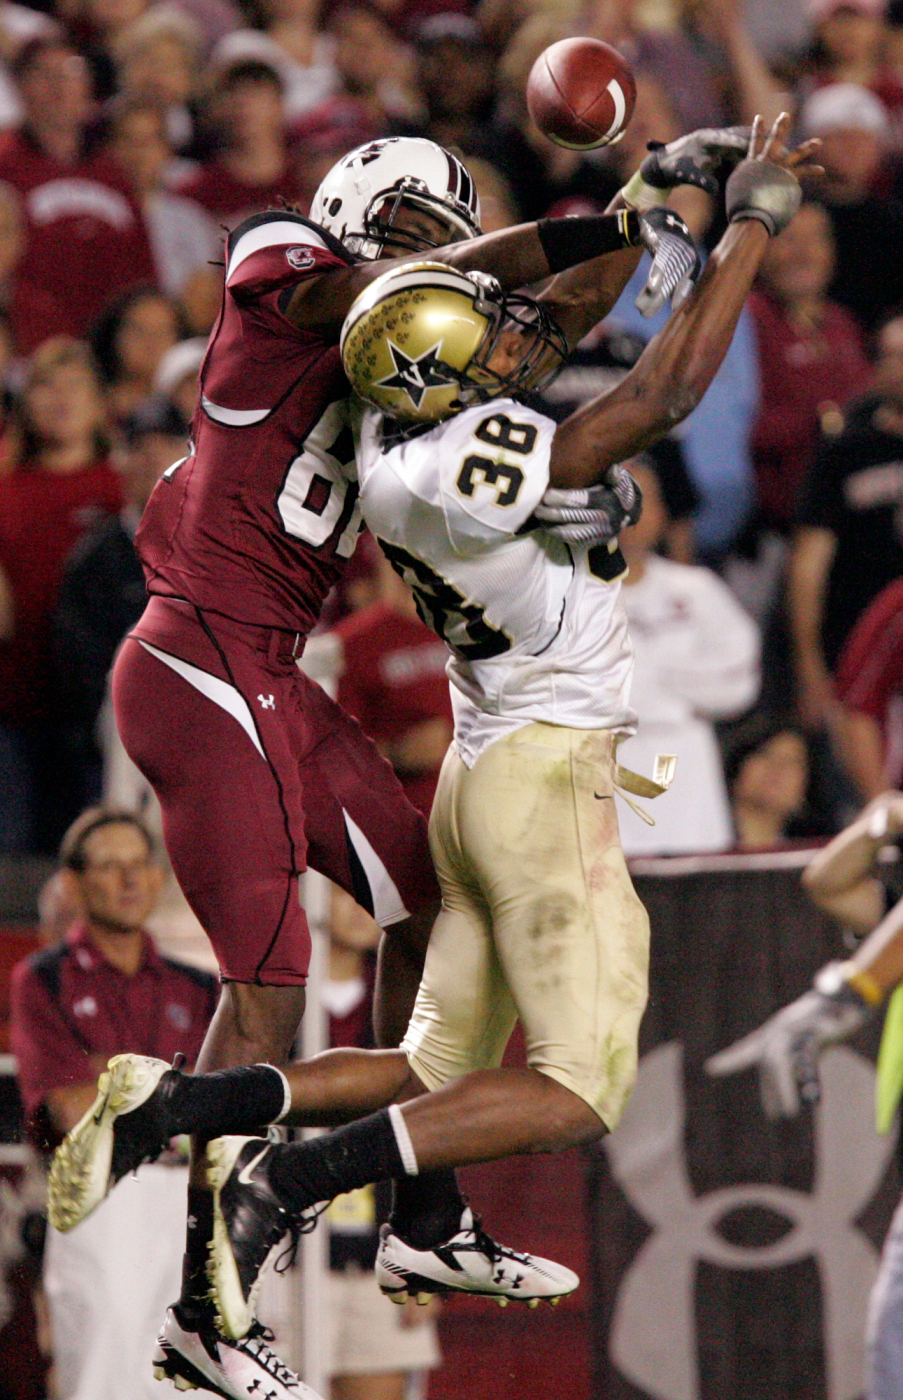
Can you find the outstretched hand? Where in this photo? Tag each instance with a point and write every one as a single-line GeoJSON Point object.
{"type": "Point", "coordinates": [765, 186]}
{"type": "Point", "coordinates": [773, 147]}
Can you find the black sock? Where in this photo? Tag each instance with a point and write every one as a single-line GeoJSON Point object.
{"type": "Point", "coordinates": [194, 1304]}
{"type": "Point", "coordinates": [230, 1101]}
{"type": "Point", "coordinates": [303, 1173]}
{"type": "Point", "coordinates": [426, 1209]}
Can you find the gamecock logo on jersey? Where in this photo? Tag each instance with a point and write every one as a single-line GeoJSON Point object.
{"type": "Point", "coordinates": [300, 258]}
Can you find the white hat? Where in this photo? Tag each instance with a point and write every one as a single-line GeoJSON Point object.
{"type": "Point", "coordinates": [843, 107]}
{"type": "Point", "coordinates": [183, 359]}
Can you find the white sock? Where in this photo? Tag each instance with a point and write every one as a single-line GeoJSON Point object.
{"type": "Point", "coordinates": [403, 1139]}
{"type": "Point", "coordinates": [286, 1091]}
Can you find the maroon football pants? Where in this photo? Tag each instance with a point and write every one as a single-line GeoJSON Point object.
{"type": "Point", "coordinates": [260, 774]}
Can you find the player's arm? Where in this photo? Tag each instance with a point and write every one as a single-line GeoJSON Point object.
{"type": "Point", "coordinates": [606, 247]}
{"type": "Point", "coordinates": [841, 877]}
{"type": "Point", "coordinates": [582, 296]}
{"type": "Point", "coordinates": [516, 256]}
{"type": "Point", "coordinates": [678, 365]}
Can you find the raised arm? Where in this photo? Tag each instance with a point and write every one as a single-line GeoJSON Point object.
{"type": "Point", "coordinates": [678, 365]}
{"type": "Point", "coordinates": [515, 256]}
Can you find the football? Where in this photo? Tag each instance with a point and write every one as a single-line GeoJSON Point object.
{"type": "Point", "coordinates": [580, 93]}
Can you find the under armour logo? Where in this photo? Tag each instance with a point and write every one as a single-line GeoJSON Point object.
{"type": "Point", "coordinates": [267, 702]}
{"type": "Point", "coordinates": [647, 1157]}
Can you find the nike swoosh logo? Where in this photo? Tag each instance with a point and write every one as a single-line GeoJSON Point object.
{"type": "Point", "coordinates": [603, 795]}
{"type": "Point", "coordinates": [244, 1176]}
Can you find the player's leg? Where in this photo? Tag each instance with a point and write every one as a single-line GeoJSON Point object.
{"type": "Point", "coordinates": [364, 834]}
{"type": "Point", "coordinates": [534, 820]}
{"type": "Point", "coordinates": [233, 826]}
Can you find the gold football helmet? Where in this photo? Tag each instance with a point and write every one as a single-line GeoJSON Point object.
{"type": "Point", "coordinates": [424, 341]}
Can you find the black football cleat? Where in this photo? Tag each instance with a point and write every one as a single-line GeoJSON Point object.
{"type": "Point", "coordinates": [249, 1222]}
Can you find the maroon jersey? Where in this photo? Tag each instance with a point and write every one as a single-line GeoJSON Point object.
{"type": "Point", "coordinates": [86, 240]}
{"type": "Point", "coordinates": [256, 523]}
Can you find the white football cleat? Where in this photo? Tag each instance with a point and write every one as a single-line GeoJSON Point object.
{"type": "Point", "coordinates": [245, 1370]}
{"type": "Point", "coordinates": [469, 1262]}
{"type": "Point", "coordinates": [128, 1123]}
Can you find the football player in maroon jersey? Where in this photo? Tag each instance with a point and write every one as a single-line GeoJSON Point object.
{"type": "Point", "coordinates": [258, 773]}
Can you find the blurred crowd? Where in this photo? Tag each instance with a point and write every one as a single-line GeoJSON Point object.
{"type": "Point", "coordinates": [764, 591]}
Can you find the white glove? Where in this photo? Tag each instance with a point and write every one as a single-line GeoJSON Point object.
{"type": "Point", "coordinates": [591, 515]}
{"type": "Point", "coordinates": [785, 1049]}
{"type": "Point", "coordinates": [675, 261]}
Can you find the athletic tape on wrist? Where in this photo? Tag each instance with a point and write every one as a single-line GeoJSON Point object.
{"type": "Point", "coordinates": [865, 984]}
{"type": "Point", "coordinates": [286, 1091]}
{"type": "Point", "coordinates": [403, 1139]}
{"type": "Point", "coordinates": [639, 195]}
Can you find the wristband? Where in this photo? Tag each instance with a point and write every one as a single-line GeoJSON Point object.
{"type": "Point", "coordinates": [569, 241]}
{"type": "Point", "coordinates": [638, 195]}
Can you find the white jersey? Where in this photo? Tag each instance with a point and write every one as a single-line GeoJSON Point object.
{"type": "Point", "coordinates": [536, 630]}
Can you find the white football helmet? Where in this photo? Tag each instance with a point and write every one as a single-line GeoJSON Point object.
{"type": "Point", "coordinates": [362, 194]}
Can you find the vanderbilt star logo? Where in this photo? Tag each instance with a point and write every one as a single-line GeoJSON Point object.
{"type": "Point", "coordinates": [416, 377]}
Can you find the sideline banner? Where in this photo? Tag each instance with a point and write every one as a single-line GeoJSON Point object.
{"type": "Point", "coordinates": [733, 1257]}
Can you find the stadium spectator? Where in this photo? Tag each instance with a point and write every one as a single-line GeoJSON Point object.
{"type": "Point", "coordinates": [103, 990]}
{"type": "Point", "coordinates": [176, 379]}
{"type": "Point", "coordinates": [848, 546]}
{"type": "Point", "coordinates": [393, 681]}
{"type": "Point", "coordinates": [767, 772]}
{"type": "Point", "coordinates": [715, 439]}
{"type": "Point", "coordinates": [129, 342]}
{"type": "Point", "coordinates": [671, 58]}
{"type": "Point", "coordinates": [33, 314]}
{"type": "Point", "coordinates": [811, 361]}
{"type": "Point", "coordinates": [18, 25]}
{"type": "Point", "coordinates": [847, 41]}
{"type": "Point", "coordinates": [455, 72]}
{"type": "Point", "coordinates": [293, 45]}
{"type": "Point", "coordinates": [158, 65]}
{"type": "Point", "coordinates": [375, 67]}
{"type": "Point", "coordinates": [86, 240]}
{"type": "Point", "coordinates": [870, 690]}
{"type": "Point", "coordinates": [183, 237]}
{"type": "Point", "coordinates": [63, 483]}
{"type": "Point", "coordinates": [102, 593]}
{"type": "Point", "coordinates": [868, 227]}
{"type": "Point", "coordinates": [254, 169]}
{"type": "Point", "coordinates": [696, 660]}
{"type": "Point", "coordinates": [60, 906]}
{"type": "Point", "coordinates": [373, 1345]}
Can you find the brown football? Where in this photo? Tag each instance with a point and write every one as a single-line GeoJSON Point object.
{"type": "Point", "coordinates": [580, 93]}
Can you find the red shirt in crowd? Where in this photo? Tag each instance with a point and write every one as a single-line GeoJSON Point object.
{"type": "Point", "coordinates": [393, 679]}
{"type": "Point", "coordinates": [43, 514]}
{"type": "Point", "coordinates": [870, 670]}
{"type": "Point", "coordinates": [68, 1003]}
{"type": "Point", "coordinates": [226, 197]}
{"type": "Point", "coordinates": [801, 371]}
{"type": "Point", "coordinates": [86, 240]}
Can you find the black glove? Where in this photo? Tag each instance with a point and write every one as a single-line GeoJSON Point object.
{"type": "Point", "coordinates": [675, 261]}
{"type": "Point", "coordinates": [589, 515]}
{"type": "Point", "coordinates": [695, 159]}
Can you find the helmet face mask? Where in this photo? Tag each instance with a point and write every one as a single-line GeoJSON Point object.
{"type": "Point", "coordinates": [425, 341]}
{"type": "Point", "coordinates": [364, 198]}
